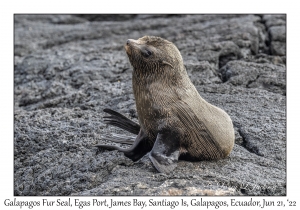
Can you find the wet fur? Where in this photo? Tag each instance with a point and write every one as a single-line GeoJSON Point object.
{"type": "Point", "coordinates": [175, 121]}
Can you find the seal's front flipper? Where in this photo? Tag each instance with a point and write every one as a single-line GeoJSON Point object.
{"type": "Point", "coordinates": [121, 121]}
{"type": "Point", "coordinates": [139, 148]}
{"type": "Point", "coordinates": [165, 152]}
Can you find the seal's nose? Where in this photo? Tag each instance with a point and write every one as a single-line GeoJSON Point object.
{"type": "Point", "coordinates": [128, 42]}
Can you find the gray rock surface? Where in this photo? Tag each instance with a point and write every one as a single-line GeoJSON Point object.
{"type": "Point", "coordinates": [276, 27]}
{"type": "Point", "coordinates": [69, 67]}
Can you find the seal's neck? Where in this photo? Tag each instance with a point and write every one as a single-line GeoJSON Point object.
{"type": "Point", "coordinates": [162, 74]}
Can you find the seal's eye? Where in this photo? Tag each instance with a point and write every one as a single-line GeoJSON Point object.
{"type": "Point", "coordinates": [146, 53]}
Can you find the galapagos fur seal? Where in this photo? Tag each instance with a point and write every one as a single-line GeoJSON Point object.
{"type": "Point", "coordinates": [175, 122]}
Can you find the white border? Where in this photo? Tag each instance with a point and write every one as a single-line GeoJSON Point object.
{"type": "Point", "coordinates": [147, 6]}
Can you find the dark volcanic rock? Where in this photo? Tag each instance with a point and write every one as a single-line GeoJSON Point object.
{"type": "Point", "coordinates": [69, 67]}
{"type": "Point", "coordinates": [253, 75]}
{"type": "Point", "coordinates": [276, 26]}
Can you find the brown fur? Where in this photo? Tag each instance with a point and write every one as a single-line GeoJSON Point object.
{"type": "Point", "coordinates": [165, 97]}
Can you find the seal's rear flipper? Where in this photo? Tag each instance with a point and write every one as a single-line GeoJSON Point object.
{"type": "Point", "coordinates": [139, 148]}
{"type": "Point", "coordinates": [120, 139]}
{"type": "Point", "coordinates": [121, 121]}
{"type": "Point", "coordinates": [165, 152]}
{"type": "Point", "coordinates": [111, 147]}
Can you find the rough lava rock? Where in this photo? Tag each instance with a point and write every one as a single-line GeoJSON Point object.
{"type": "Point", "coordinates": [68, 68]}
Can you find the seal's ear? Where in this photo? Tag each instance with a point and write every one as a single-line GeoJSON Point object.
{"type": "Point", "coordinates": [166, 63]}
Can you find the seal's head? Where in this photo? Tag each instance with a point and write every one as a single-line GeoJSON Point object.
{"type": "Point", "coordinates": [152, 53]}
